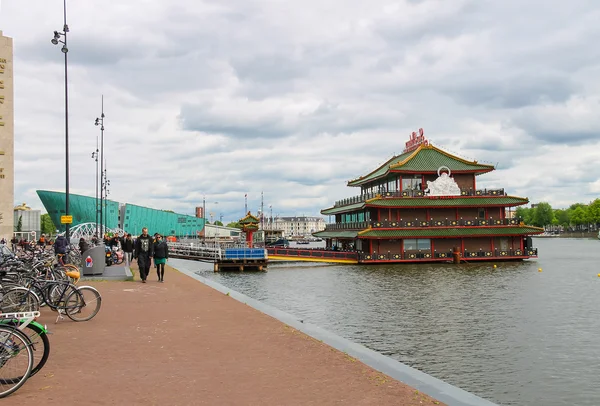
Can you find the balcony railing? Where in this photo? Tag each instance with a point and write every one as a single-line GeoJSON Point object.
{"type": "Point", "coordinates": [414, 193]}
{"type": "Point", "coordinates": [429, 256]}
{"type": "Point", "coordinates": [361, 225]}
{"type": "Point", "coordinates": [413, 255]}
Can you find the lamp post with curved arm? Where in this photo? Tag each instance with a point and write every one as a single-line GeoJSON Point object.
{"type": "Point", "coordinates": [100, 122]}
{"type": "Point", "coordinates": [60, 37]}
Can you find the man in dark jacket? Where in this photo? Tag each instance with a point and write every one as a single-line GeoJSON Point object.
{"type": "Point", "coordinates": [144, 251]}
{"type": "Point", "coordinates": [60, 247]}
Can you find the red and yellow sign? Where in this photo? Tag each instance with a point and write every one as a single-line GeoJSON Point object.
{"type": "Point", "coordinates": [415, 141]}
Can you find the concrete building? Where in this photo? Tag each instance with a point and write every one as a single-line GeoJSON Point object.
{"type": "Point", "coordinates": [299, 226]}
{"type": "Point", "coordinates": [7, 137]}
{"type": "Point", "coordinates": [30, 219]}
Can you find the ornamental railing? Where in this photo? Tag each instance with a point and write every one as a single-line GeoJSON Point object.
{"type": "Point", "coordinates": [415, 193]}
{"type": "Point", "coordinates": [465, 255]}
{"type": "Point", "coordinates": [314, 253]}
{"type": "Point", "coordinates": [361, 225]}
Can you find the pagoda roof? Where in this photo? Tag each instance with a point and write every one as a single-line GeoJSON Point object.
{"type": "Point", "coordinates": [249, 219]}
{"type": "Point", "coordinates": [434, 201]}
{"type": "Point", "coordinates": [336, 234]}
{"type": "Point", "coordinates": [424, 159]}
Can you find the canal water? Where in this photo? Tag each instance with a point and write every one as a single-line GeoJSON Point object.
{"type": "Point", "coordinates": [511, 334]}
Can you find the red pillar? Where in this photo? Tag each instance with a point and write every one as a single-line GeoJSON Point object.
{"type": "Point", "coordinates": [249, 234]}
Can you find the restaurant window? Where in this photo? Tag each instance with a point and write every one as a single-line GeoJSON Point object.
{"type": "Point", "coordinates": [481, 213]}
{"type": "Point", "coordinates": [413, 183]}
{"type": "Point", "coordinates": [417, 244]}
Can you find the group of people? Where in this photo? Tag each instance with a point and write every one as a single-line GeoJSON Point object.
{"type": "Point", "coordinates": [145, 248]}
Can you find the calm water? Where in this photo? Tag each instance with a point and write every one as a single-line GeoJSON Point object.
{"type": "Point", "coordinates": [512, 335]}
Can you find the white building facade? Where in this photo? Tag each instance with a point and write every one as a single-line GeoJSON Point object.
{"type": "Point", "coordinates": [299, 226]}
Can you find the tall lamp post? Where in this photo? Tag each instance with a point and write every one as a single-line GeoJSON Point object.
{"type": "Point", "coordinates": [56, 40]}
{"type": "Point", "coordinates": [100, 122]}
{"type": "Point", "coordinates": [95, 157]}
{"type": "Point", "coordinates": [105, 185]}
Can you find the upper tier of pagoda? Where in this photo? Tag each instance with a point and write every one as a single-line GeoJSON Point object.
{"type": "Point", "coordinates": [420, 157]}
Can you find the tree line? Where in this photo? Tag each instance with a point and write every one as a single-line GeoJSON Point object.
{"type": "Point", "coordinates": [578, 216]}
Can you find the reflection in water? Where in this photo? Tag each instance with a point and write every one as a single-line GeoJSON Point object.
{"type": "Point", "coordinates": [512, 334]}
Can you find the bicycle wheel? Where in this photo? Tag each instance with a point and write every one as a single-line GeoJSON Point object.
{"type": "Point", "coordinates": [57, 294]}
{"type": "Point", "coordinates": [19, 300]}
{"type": "Point", "coordinates": [83, 304]}
{"type": "Point", "coordinates": [16, 359]}
{"type": "Point", "coordinates": [40, 344]}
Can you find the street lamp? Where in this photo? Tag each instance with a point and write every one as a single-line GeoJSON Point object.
{"type": "Point", "coordinates": [95, 157]}
{"type": "Point", "coordinates": [100, 122]}
{"type": "Point", "coordinates": [56, 40]}
{"type": "Point", "coordinates": [105, 185]}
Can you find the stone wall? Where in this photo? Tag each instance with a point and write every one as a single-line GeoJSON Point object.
{"type": "Point", "coordinates": [6, 137]}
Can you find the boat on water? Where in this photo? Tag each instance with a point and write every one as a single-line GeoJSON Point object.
{"type": "Point", "coordinates": [423, 206]}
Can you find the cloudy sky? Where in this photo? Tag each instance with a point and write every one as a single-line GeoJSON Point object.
{"type": "Point", "coordinates": [217, 99]}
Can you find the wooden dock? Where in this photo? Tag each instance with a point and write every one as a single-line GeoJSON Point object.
{"type": "Point", "coordinates": [224, 257]}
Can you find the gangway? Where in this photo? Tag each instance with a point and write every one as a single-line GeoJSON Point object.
{"type": "Point", "coordinates": [227, 256]}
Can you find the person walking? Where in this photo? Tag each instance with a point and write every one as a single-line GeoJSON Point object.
{"type": "Point", "coordinates": [144, 251]}
{"type": "Point", "coordinates": [128, 248]}
{"type": "Point", "coordinates": [161, 254]}
{"type": "Point", "coordinates": [14, 243]}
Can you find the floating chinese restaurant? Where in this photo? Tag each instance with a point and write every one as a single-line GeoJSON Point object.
{"type": "Point", "coordinates": [423, 206]}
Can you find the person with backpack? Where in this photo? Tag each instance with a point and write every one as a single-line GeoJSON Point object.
{"type": "Point", "coordinates": [60, 247]}
{"type": "Point", "coordinates": [161, 254]}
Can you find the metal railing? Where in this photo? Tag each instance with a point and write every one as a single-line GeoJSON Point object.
{"type": "Point", "coordinates": [415, 193]}
{"type": "Point", "coordinates": [361, 225]}
{"type": "Point", "coordinates": [417, 255]}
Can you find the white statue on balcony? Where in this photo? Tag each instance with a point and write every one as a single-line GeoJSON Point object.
{"type": "Point", "coordinates": [444, 185]}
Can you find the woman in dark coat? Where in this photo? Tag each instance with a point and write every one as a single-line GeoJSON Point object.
{"type": "Point", "coordinates": [161, 254]}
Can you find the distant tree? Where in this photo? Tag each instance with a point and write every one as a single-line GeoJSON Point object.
{"type": "Point", "coordinates": [19, 226]}
{"type": "Point", "coordinates": [578, 216]}
{"type": "Point", "coordinates": [594, 211]}
{"type": "Point", "coordinates": [218, 223]}
{"type": "Point", "coordinates": [234, 224]}
{"type": "Point", "coordinates": [543, 214]}
{"type": "Point", "coordinates": [526, 214]}
{"type": "Point", "coordinates": [46, 224]}
{"type": "Point", "coordinates": [561, 217]}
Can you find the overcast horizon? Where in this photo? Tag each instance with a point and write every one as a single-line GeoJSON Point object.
{"type": "Point", "coordinates": [218, 100]}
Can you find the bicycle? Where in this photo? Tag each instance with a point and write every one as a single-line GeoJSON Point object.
{"type": "Point", "coordinates": [36, 332]}
{"type": "Point", "coordinates": [66, 298]}
{"type": "Point", "coordinates": [16, 357]}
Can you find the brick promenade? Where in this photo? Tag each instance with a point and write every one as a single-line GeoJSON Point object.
{"type": "Point", "coordinates": [183, 343]}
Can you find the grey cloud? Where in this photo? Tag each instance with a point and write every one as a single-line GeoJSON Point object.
{"type": "Point", "coordinates": [511, 91]}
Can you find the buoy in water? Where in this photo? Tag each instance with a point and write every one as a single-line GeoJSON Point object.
{"type": "Point", "coordinates": [495, 266]}
{"type": "Point", "coordinates": [599, 275]}
{"type": "Point", "coordinates": [539, 269]}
